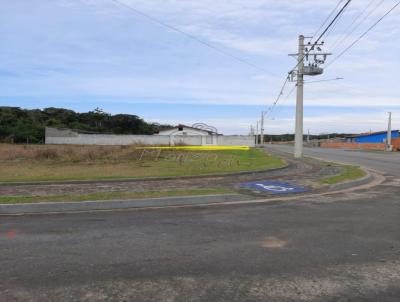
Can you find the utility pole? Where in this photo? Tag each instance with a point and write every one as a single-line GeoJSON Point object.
{"type": "Point", "coordinates": [262, 129]}
{"type": "Point", "coordinates": [311, 54]}
{"type": "Point", "coordinates": [251, 132]}
{"type": "Point", "coordinates": [308, 136]}
{"type": "Point", "coordinates": [257, 133]}
{"type": "Point", "coordinates": [298, 140]}
{"type": "Point", "coordinates": [389, 134]}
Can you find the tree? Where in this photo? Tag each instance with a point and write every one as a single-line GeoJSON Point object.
{"type": "Point", "coordinates": [22, 125]}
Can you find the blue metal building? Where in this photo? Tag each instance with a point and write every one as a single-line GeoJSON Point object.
{"type": "Point", "coordinates": [373, 137]}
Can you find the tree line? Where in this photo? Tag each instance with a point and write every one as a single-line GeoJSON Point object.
{"type": "Point", "coordinates": [28, 126]}
{"type": "Point", "coordinates": [290, 137]}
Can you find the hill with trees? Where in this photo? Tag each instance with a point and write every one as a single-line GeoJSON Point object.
{"type": "Point", "coordinates": [27, 126]}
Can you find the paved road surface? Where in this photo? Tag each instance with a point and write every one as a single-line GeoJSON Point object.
{"type": "Point", "coordinates": [381, 161]}
{"type": "Point", "coordinates": [344, 247]}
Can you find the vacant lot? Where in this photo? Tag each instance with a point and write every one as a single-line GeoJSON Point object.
{"type": "Point", "coordinates": [48, 163]}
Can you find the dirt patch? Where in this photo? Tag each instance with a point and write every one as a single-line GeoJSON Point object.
{"type": "Point", "coordinates": [273, 243]}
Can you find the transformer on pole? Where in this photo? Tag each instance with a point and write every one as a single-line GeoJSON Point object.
{"type": "Point", "coordinates": [309, 59]}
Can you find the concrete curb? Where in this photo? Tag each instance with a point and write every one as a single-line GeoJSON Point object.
{"type": "Point", "coordinates": [98, 205]}
{"type": "Point", "coordinates": [353, 183]}
{"type": "Point", "coordinates": [345, 185]}
{"type": "Point", "coordinates": [174, 202]}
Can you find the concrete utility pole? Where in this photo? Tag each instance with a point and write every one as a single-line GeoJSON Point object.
{"type": "Point", "coordinates": [389, 134]}
{"type": "Point", "coordinates": [262, 129]}
{"type": "Point", "coordinates": [257, 134]}
{"type": "Point", "coordinates": [251, 132]}
{"type": "Point", "coordinates": [313, 55]}
{"type": "Point", "coordinates": [298, 140]}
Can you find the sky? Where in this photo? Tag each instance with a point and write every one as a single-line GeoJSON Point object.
{"type": "Point", "coordinates": [83, 54]}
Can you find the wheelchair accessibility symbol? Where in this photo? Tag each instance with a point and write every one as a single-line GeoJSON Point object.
{"type": "Point", "coordinates": [273, 187]}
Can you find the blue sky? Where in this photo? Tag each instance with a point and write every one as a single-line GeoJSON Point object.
{"type": "Point", "coordinates": [82, 54]}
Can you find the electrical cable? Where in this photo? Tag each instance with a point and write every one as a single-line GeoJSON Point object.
{"type": "Point", "coordinates": [323, 33]}
{"type": "Point", "coordinates": [191, 36]}
{"type": "Point", "coordinates": [333, 21]}
{"type": "Point", "coordinates": [284, 99]}
{"type": "Point", "coordinates": [302, 59]}
{"type": "Point", "coordinates": [333, 26]}
{"type": "Point", "coordinates": [270, 108]}
{"type": "Point", "coordinates": [351, 29]}
{"type": "Point", "coordinates": [363, 34]}
{"type": "Point", "coordinates": [327, 18]}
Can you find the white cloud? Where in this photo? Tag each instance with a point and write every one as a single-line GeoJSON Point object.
{"type": "Point", "coordinates": [98, 49]}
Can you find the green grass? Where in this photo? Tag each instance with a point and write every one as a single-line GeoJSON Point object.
{"type": "Point", "coordinates": [110, 196]}
{"type": "Point", "coordinates": [169, 164]}
{"type": "Point", "coordinates": [348, 173]}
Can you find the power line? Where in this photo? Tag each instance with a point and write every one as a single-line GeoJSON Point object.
{"type": "Point", "coordinates": [311, 48]}
{"type": "Point", "coordinates": [191, 36]}
{"type": "Point", "coordinates": [333, 21]}
{"type": "Point", "coordinates": [310, 82]}
{"type": "Point", "coordinates": [323, 33]}
{"type": "Point", "coordinates": [327, 18]}
{"type": "Point", "coordinates": [352, 29]}
{"type": "Point", "coordinates": [353, 22]}
{"type": "Point", "coordinates": [285, 98]}
{"type": "Point", "coordinates": [270, 108]}
{"type": "Point", "coordinates": [290, 92]}
{"type": "Point", "coordinates": [363, 34]}
{"type": "Point", "coordinates": [333, 26]}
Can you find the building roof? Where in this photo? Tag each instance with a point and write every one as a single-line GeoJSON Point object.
{"type": "Point", "coordinates": [188, 127]}
{"type": "Point", "coordinates": [369, 133]}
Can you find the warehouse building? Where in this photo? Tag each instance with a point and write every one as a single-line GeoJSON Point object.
{"type": "Point", "coordinates": [373, 137]}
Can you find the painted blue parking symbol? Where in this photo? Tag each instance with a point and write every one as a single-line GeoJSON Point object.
{"type": "Point", "coordinates": [273, 187]}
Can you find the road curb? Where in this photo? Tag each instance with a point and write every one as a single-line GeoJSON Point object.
{"type": "Point", "coordinates": [99, 205]}
{"type": "Point", "coordinates": [348, 184]}
{"type": "Point", "coordinates": [173, 202]}
{"type": "Point", "coordinates": [354, 183]}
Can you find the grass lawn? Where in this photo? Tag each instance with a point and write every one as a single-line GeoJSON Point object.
{"type": "Point", "coordinates": [111, 196]}
{"type": "Point", "coordinates": [348, 173]}
{"type": "Point", "coordinates": [58, 163]}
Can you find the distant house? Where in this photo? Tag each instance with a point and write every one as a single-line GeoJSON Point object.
{"type": "Point", "coordinates": [185, 130]}
{"type": "Point", "coordinates": [206, 137]}
{"type": "Point", "coordinates": [373, 137]}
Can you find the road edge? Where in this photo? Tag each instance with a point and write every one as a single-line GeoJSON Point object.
{"type": "Point", "coordinates": [371, 180]}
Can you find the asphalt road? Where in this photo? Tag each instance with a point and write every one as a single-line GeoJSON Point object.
{"type": "Point", "coordinates": [344, 247]}
{"type": "Point", "coordinates": [387, 162]}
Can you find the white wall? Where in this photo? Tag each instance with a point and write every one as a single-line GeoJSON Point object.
{"type": "Point", "coordinates": [109, 139]}
{"type": "Point", "coordinates": [69, 137]}
{"type": "Point", "coordinates": [236, 140]}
